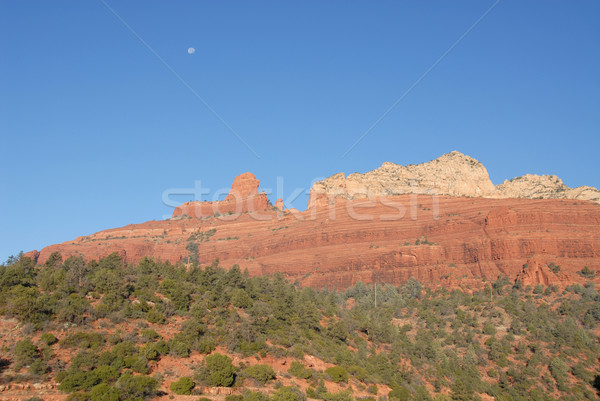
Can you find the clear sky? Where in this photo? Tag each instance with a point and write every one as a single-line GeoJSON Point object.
{"type": "Point", "coordinates": [95, 127]}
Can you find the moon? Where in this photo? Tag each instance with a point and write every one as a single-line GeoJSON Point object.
{"type": "Point", "coordinates": [191, 50]}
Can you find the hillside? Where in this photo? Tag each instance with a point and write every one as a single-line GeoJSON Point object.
{"type": "Point", "coordinates": [445, 289]}
{"type": "Point", "coordinates": [104, 330]}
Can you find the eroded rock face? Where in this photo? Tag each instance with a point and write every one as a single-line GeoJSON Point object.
{"type": "Point", "coordinates": [244, 186]}
{"type": "Point", "coordinates": [537, 271]}
{"type": "Point", "coordinates": [443, 241]}
{"type": "Point", "coordinates": [452, 174]}
{"type": "Point", "coordinates": [242, 198]}
{"type": "Point", "coordinates": [407, 229]}
{"type": "Point", "coordinates": [544, 187]}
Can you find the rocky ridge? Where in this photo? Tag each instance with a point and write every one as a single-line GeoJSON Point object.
{"type": "Point", "coordinates": [532, 186]}
{"type": "Point", "coordinates": [453, 174]}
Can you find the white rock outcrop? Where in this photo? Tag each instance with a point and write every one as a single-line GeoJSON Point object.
{"type": "Point", "coordinates": [453, 174]}
{"type": "Point", "coordinates": [545, 187]}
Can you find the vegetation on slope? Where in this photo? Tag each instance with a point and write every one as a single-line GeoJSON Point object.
{"type": "Point", "coordinates": [506, 341]}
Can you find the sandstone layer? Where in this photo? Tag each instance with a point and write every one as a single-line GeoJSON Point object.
{"type": "Point", "coordinates": [440, 240]}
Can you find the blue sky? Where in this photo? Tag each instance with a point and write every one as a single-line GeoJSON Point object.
{"type": "Point", "coordinates": [94, 128]}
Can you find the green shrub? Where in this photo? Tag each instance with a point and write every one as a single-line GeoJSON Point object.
{"type": "Point", "coordinates": [136, 387]}
{"type": "Point", "coordinates": [462, 389]}
{"type": "Point", "coordinates": [179, 349]}
{"type": "Point", "coordinates": [582, 373]}
{"type": "Point", "coordinates": [559, 370]}
{"type": "Point", "coordinates": [106, 374]}
{"type": "Point", "coordinates": [241, 299]}
{"type": "Point", "coordinates": [234, 397]}
{"type": "Point", "coordinates": [337, 373]}
{"type": "Point", "coordinates": [288, 394]}
{"type": "Point", "coordinates": [182, 386]}
{"type": "Point", "coordinates": [554, 267]}
{"type": "Point", "coordinates": [217, 370]}
{"type": "Point", "coordinates": [297, 369]}
{"type": "Point", "coordinates": [49, 339]}
{"type": "Point", "coordinates": [260, 373]}
{"type": "Point", "coordinates": [104, 392]}
{"type": "Point", "coordinates": [153, 351]}
{"type": "Point", "coordinates": [78, 396]}
{"type": "Point", "coordinates": [25, 353]}
{"type": "Point", "coordinates": [359, 372]}
{"type": "Point", "coordinates": [586, 272]}
{"type": "Point", "coordinates": [296, 351]}
{"type": "Point", "coordinates": [38, 367]}
{"type": "Point", "coordinates": [138, 364]}
{"type": "Point", "coordinates": [422, 394]}
{"type": "Point", "coordinates": [26, 303]}
{"type": "Point", "coordinates": [341, 396]}
{"type": "Point", "coordinates": [489, 329]}
{"type": "Point", "coordinates": [538, 289]}
{"type": "Point", "coordinates": [399, 393]}
{"type": "Point", "coordinates": [337, 331]}
{"type": "Point", "coordinates": [72, 309]}
{"type": "Point", "coordinates": [255, 396]}
{"type": "Point", "coordinates": [84, 360]}
{"type": "Point", "coordinates": [74, 380]}
{"type": "Point", "coordinates": [83, 339]}
{"type": "Point", "coordinates": [124, 349]}
{"type": "Point", "coordinates": [149, 334]}
{"type": "Point", "coordinates": [154, 316]}
{"type": "Point", "coordinates": [205, 345]}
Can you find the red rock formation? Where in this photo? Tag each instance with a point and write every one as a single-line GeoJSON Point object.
{"type": "Point", "coordinates": [445, 241]}
{"type": "Point", "coordinates": [32, 255]}
{"type": "Point", "coordinates": [536, 271]}
{"type": "Point", "coordinates": [244, 186]}
{"type": "Point", "coordinates": [279, 204]}
{"type": "Point", "coordinates": [242, 198]}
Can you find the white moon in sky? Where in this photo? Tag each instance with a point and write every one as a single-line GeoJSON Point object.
{"type": "Point", "coordinates": [191, 50]}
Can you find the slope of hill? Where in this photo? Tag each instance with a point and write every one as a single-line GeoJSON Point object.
{"type": "Point", "coordinates": [474, 296]}
{"type": "Point", "coordinates": [104, 330]}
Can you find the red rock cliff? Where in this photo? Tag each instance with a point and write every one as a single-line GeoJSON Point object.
{"type": "Point", "coordinates": [437, 222]}
{"type": "Point", "coordinates": [447, 241]}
